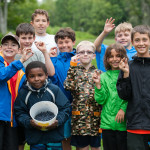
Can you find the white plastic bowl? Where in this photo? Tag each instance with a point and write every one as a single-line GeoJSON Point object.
{"type": "Point", "coordinates": [43, 106]}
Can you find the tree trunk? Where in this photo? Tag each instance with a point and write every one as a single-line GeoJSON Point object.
{"type": "Point", "coordinates": [3, 16]}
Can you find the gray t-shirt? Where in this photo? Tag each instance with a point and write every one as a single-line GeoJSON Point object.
{"type": "Point", "coordinates": [37, 56]}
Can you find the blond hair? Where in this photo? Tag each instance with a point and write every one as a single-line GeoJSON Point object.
{"type": "Point", "coordinates": [125, 26]}
{"type": "Point", "coordinates": [87, 43]}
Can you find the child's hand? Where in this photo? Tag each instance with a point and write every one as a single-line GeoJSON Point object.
{"type": "Point", "coordinates": [41, 46]}
{"type": "Point", "coordinates": [32, 122]}
{"type": "Point", "coordinates": [120, 116]}
{"type": "Point", "coordinates": [75, 58]}
{"type": "Point", "coordinates": [53, 52]}
{"type": "Point", "coordinates": [27, 53]}
{"type": "Point", "coordinates": [123, 65]}
{"type": "Point", "coordinates": [52, 126]}
{"type": "Point", "coordinates": [96, 78]}
{"type": "Point", "coordinates": [43, 128]}
{"type": "Point", "coordinates": [109, 26]}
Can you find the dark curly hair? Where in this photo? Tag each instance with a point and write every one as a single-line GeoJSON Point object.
{"type": "Point", "coordinates": [119, 48]}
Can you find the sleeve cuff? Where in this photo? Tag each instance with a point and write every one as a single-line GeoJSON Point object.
{"type": "Point", "coordinates": [73, 63]}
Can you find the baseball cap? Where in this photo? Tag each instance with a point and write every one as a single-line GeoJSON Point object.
{"type": "Point", "coordinates": [10, 36]}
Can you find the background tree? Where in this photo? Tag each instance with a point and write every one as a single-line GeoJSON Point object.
{"type": "Point", "coordinates": [3, 16]}
{"type": "Point", "coordinates": [81, 15]}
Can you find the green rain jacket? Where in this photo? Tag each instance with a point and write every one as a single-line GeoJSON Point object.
{"type": "Point", "coordinates": [108, 97]}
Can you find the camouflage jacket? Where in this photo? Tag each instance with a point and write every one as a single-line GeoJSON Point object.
{"type": "Point", "coordinates": [85, 110]}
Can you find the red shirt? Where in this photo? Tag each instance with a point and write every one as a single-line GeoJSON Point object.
{"type": "Point", "coordinates": [13, 85]}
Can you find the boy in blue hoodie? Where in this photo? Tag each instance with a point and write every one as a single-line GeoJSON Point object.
{"type": "Point", "coordinates": [65, 39]}
{"type": "Point", "coordinates": [38, 88]}
{"type": "Point", "coordinates": [11, 79]}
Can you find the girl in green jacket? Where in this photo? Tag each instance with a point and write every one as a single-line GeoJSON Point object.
{"type": "Point", "coordinates": [113, 122]}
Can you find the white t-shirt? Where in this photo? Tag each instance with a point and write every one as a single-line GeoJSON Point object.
{"type": "Point", "coordinates": [47, 39]}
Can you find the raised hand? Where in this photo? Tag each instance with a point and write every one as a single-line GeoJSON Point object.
{"type": "Point", "coordinates": [41, 46]}
{"type": "Point", "coordinates": [75, 58]}
{"type": "Point", "coordinates": [109, 26]}
{"type": "Point", "coordinates": [123, 65]}
{"type": "Point", "coordinates": [27, 53]}
{"type": "Point", "coordinates": [53, 52]}
{"type": "Point", "coordinates": [120, 116]}
{"type": "Point", "coordinates": [96, 79]}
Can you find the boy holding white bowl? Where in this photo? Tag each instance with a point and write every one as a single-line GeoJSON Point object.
{"type": "Point", "coordinates": [39, 88]}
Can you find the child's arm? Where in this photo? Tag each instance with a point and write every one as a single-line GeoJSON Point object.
{"type": "Point", "coordinates": [101, 93]}
{"type": "Point", "coordinates": [124, 86]}
{"type": "Point", "coordinates": [22, 111]}
{"type": "Point", "coordinates": [121, 113]}
{"type": "Point", "coordinates": [70, 82]}
{"type": "Point", "coordinates": [96, 78]}
{"type": "Point", "coordinates": [123, 65]}
{"type": "Point", "coordinates": [49, 65]}
{"type": "Point", "coordinates": [109, 26]}
{"type": "Point", "coordinates": [8, 72]}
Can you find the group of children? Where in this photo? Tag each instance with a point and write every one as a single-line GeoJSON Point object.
{"type": "Point", "coordinates": [37, 67]}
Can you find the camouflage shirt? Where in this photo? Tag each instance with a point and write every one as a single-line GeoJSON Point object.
{"type": "Point", "coordinates": [85, 110]}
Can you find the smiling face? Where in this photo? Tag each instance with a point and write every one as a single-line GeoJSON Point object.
{"type": "Point", "coordinates": [124, 38]}
{"type": "Point", "coordinates": [36, 77]}
{"type": "Point", "coordinates": [114, 60]}
{"type": "Point", "coordinates": [40, 24]}
{"type": "Point", "coordinates": [65, 45]}
{"type": "Point", "coordinates": [9, 49]}
{"type": "Point", "coordinates": [141, 42]}
{"type": "Point", "coordinates": [85, 54]}
{"type": "Point", "coordinates": [26, 40]}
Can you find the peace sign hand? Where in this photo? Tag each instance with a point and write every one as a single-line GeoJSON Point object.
{"type": "Point", "coordinates": [123, 65]}
{"type": "Point", "coordinates": [96, 78]}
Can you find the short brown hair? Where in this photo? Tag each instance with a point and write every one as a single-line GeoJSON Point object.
{"type": "Point", "coordinates": [41, 12]}
{"type": "Point", "coordinates": [125, 26]}
{"type": "Point", "coordinates": [25, 28]}
{"type": "Point", "coordinates": [65, 32]}
{"type": "Point", "coordinates": [118, 48]}
{"type": "Point", "coordinates": [142, 29]}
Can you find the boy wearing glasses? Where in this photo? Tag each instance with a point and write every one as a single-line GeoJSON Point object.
{"type": "Point", "coordinates": [85, 121]}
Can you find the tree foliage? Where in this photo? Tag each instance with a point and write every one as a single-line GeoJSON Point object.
{"type": "Point", "coordinates": [82, 15]}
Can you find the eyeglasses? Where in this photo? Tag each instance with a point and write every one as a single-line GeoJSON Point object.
{"type": "Point", "coordinates": [87, 52]}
